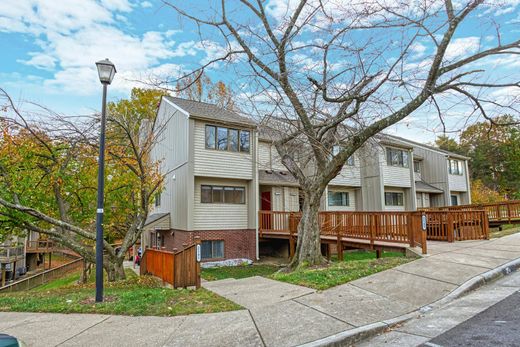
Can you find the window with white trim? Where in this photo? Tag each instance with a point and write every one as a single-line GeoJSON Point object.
{"type": "Point", "coordinates": [222, 195]}
{"type": "Point", "coordinates": [212, 249]}
{"type": "Point", "coordinates": [397, 157]}
{"type": "Point", "coordinates": [338, 198]}
{"type": "Point", "coordinates": [394, 199]}
{"type": "Point", "coordinates": [335, 152]}
{"type": "Point", "coordinates": [455, 167]}
{"type": "Point", "coordinates": [227, 139]}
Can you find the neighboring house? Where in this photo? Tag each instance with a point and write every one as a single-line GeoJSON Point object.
{"type": "Point", "coordinates": [12, 259]}
{"type": "Point", "coordinates": [220, 170]}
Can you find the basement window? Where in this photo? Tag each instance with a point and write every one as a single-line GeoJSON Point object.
{"type": "Point", "coordinates": [212, 249]}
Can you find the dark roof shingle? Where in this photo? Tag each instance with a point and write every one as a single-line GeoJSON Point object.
{"type": "Point", "coordinates": [207, 111]}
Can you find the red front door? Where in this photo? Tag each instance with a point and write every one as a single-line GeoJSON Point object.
{"type": "Point", "coordinates": [265, 223]}
{"type": "Point", "coordinates": [266, 201]}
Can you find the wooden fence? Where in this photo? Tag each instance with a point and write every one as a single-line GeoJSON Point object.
{"type": "Point", "coordinates": [381, 227]}
{"type": "Point", "coordinates": [457, 225]}
{"type": "Point", "coordinates": [498, 212]}
{"type": "Point", "coordinates": [178, 268]}
{"type": "Point", "coordinates": [43, 277]}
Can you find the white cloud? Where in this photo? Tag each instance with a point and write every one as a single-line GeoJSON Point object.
{"type": "Point", "coordinates": [418, 49]}
{"type": "Point", "coordinates": [462, 47]}
{"type": "Point", "coordinates": [73, 37]}
{"type": "Point", "coordinates": [146, 4]}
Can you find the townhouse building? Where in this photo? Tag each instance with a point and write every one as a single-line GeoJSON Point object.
{"type": "Point", "coordinates": [221, 169]}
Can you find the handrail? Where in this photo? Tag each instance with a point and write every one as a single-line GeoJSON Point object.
{"type": "Point", "coordinates": [42, 277]}
{"type": "Point", "coordinates": [498, 212]}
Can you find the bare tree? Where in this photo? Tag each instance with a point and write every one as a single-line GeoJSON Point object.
{"type": "Point", "coordinates": [336, 73]}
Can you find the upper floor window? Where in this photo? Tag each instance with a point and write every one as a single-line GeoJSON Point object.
{"type": "Point", "coordinates": [394, 199]}
{"type": "Point", "coordinates": [338, 198]}
{"type": "Point", "coordinates": [222, 195]}
{"type": "Point", "coordinates": [397, 157]}
{"type": "Point", "coordinates": [157, 199]}
{"type": "Point", "coordinates": [455, 167]}
{"type": "Point", "coordinates": [417, 166]}
{"type": "Point", "coordinates": [335, 152]}
{"type": "Point", "coordinates": [226, 139]}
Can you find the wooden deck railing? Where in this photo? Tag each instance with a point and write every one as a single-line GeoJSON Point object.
{"type": "Point", "coordinates": [497, 212]}
{"type": "Point", "coordinates": [450, 225]}
{"type": "Point", "coordinates": [9, 254]}
{"type": "Point", "coordinates": [178, 268]}
{"type": "Point", "coordinates": [40, 246]}
{"type": "Point", "coordinates": [43, 277]}
{"type": "Point", "coordinates": [385, 227]}
{"type": "Point", "coordinates": [389, 227]}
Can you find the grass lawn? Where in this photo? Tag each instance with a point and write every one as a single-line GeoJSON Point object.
{"type": "Point", "coordinates": [355, 265]}
{"type": "Point", "coordinates": [220, 273]}
{"type": "Point", "coordinates": [143, 296]}
{"type": "Point", "coordinates": [507, 229]}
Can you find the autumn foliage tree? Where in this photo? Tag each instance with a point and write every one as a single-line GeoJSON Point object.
{"type": "Point", "coordinates": [48, 175]}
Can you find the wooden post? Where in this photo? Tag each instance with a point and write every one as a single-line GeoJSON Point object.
{"type": "Point", "coordinates": [509, 212]}
{"type": "Point", "coordinates": [449, 229]}
{"type": "Point", "coordinates": [486, 225]}
{"type": "Point", "coordinates": [339, 245]}
{"type": "Point", "coordinates": [411, 231]}
{"type": "Point", "coordinates": [197, 267]}
{"type": "Point", "coordinates": [184, 265]}
{"type": "Point", "coordinates": [378, 253]}
{"type": "Point", "coordinates": [50, 260]}
{"type": "Point", "coordinates": [2, 270]}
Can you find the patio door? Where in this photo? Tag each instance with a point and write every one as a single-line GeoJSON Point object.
{"type": "Point", "coordinates": [266, 206]}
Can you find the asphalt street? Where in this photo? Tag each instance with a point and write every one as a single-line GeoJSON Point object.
{"type": "Point", "coordinates": [499, 325]}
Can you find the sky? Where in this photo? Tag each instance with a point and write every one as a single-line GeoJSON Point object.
{"type": "Point", "coordinates": [49, 49]}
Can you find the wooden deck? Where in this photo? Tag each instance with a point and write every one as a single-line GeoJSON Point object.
{"type": "Point", "coordinates": [40, 246]}
{"type": "Point", "coordinates": [498, 213]}
{"type": "Point", "coordinates": [391, 231]}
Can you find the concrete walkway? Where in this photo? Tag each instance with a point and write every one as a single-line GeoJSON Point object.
{"type": "Point", "coordinates": [280, 314]}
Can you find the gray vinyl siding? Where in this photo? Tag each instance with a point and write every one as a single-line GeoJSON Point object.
{"type": "Point", "coordinates": [349, 175]}
{"type": "Point", "coordinates": [207, 216]}
{"type": "Point", "coordinates": [264, 155]}
{"type": "Point", "coordinates": [393, 175]}
{"type": "Point", "coordinates": [434, 171]}
{"type": "Point", "coordinates": [172, 151]}
{"type": "Point", "coordinates": [371, 178]}
{"type": "Point", "coordinates": [458, 182]}
{"type": "Point", "coordinates": [214, 163]}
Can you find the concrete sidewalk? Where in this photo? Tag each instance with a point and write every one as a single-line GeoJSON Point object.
{"type": "Point", "coordinates": [280, 314]}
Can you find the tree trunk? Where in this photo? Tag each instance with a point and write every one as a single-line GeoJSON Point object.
{"type": "Point", "coordinates": [308, 247]}
{"type": "Point", "coordinates": [85, 273]}
{"type": "Point", "coordinates": [115, 270]}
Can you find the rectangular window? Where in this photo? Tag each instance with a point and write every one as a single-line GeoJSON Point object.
{"type": "Point", "coordinates": [211, 136]}
{"type": "Point", "coordinates": [454, 200]}
{"type": "Point", "coordinates": [220, 194]}
{"type": "Point", "coordinates": [338, 198]}
{"type": "Point", "coordinates": [394, 199]}
{"type": "Point", "coordinates": [157, 199]}
{"type": "Point", "coordinates": [233, 140]}
{"type": "Point", "coordinates": [222, 139]}
{"type": "Point", "coordinates": [212, 249]}
{"type": "Point", "coordinates": [455, 167]}
{"type": "Point", "coordinates": [350, 161]}
{"type": "Point", "coordinates": [244, 141]}
{"type": "Point", "coordinates": [396, 157]}
{"type": "Point", "coordinates": [416, 166]}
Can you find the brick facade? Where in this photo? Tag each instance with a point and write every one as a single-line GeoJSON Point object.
{"type": "Point", "coordinates": [237, 243]}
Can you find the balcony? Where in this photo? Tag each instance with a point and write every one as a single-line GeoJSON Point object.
{"type": "Point", "coordinates": [10, 254]}
{"type": "Point", "coordinates": [40, 246]}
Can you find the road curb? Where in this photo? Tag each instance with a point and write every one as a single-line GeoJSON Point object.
{"type": "Point", "coordinates": [349, 337]}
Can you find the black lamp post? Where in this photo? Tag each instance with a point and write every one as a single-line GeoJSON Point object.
{"type": "Point", "coordinates": [106, 72]}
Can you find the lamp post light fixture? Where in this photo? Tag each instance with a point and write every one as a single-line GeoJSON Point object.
{"type": "Point", "coordinates": [106, 72]}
